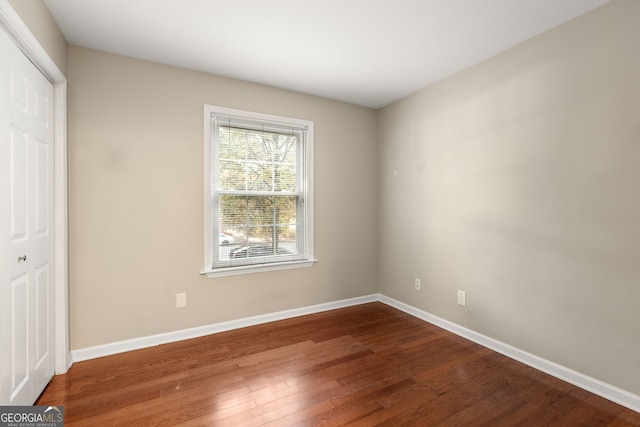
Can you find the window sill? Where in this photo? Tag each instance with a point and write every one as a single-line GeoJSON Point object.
{"type": "Point", "coordinates": [257, 268]}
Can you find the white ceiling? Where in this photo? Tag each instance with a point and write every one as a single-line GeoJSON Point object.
{"type": "Point", "coordinates": [367, 52]}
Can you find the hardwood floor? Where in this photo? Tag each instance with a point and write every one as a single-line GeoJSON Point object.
{"type": "Point", "coordinates": [362, 366]}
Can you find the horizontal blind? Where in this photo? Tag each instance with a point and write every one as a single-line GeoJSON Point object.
{"type": "Point", "coordinates": [258, 192]}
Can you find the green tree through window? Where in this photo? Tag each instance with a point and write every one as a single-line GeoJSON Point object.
{"type": "Point", "coordinates": [260, 190]}
{"type": "Point", "coordinates": [257, 162]}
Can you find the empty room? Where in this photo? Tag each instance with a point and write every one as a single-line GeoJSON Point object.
{"type": "Point", "coordinates": [286, 212]}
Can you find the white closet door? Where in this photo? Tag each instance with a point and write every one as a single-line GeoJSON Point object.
{"type": "Point", "coordinates": [26, 228]}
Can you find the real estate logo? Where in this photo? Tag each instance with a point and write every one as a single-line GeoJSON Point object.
{"type": "Point", "coordinates": [31, 416]}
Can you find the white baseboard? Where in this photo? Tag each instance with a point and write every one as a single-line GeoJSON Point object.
{"type": "Point", "coordinates": [602, 389]}
{"type": "Point", "coordinates": [184, 334]}
{"type": "Point", "coordinates": [607, 391]}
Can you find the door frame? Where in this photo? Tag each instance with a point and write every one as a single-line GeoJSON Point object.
{"type": "Point", "coordinates": [26, 41]}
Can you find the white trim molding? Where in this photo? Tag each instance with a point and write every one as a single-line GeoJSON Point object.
{"type": "Point", "coordinates": [26, 41]}
{"type": "Point", "coordinates": [257, 268]}
{"type": "Point", "coordinates": [200, 331]}
{"type": "Point", "coordinates": [595, 386]}
{"type": "Point", "coordinates": [600, 388]}
{"type": "Point", "coordinates": [215, 118]}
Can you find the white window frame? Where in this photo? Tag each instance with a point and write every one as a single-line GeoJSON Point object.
{"type": "Point", "coordinates": [211, 222]}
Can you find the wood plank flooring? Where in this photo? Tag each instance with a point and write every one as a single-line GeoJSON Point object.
{"type": "Point", "coordinates": [367, 365]}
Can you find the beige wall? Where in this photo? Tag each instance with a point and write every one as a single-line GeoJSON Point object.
{"type": "Point", "coordinates": [136, 201]}
{"type": "Point", "coordinates": [518, 182]}
{"type": "Point", "coordinates": [36, 16]}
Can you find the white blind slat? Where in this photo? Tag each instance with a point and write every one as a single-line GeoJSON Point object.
{"type": "Point", "coordinates": [259, 183]}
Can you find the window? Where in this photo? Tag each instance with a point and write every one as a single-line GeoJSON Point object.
{"type": "Point", "coordinates": [258, 192]}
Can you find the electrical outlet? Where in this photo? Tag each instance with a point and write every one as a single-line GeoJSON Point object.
{"type": "Point", "coordinates": [181, 300]}
{"type": "Point", "coordinates": [417, 284]}
{"type": "Point", "coordinates": [462, 298]}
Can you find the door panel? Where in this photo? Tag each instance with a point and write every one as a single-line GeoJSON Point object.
{"type": "Point", "coordinates": [42, 174]}
{"type": "Point", "coordinates": [26, 228]}
{"type": "Point", "coordinates": [42, 314]}
{"type": "Point", "coordinates": [18, 89]}
{"type": "Point", "coordinates": [18, 184]}
{"type": "Point", "coordinates": [19, 355]}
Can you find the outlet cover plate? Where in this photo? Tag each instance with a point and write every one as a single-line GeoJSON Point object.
{"type": "Point", "coordinates": [462, 298]}
{"type": "Point", "coordinates": [181, 300]}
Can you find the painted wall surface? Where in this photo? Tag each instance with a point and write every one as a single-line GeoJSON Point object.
{"type": "Point", "coordinates": [136, 208]}
{"type": "Point", "coordinates": [518, 182]}
{"type": "Point", "coordinates": [36, 15]}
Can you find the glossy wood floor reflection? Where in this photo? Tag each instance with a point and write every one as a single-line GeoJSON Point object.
{"type": "Point", "coordinates": [363, 366]}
